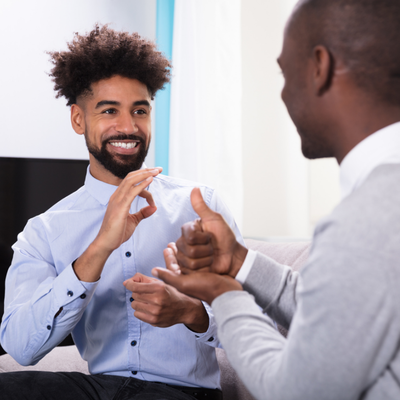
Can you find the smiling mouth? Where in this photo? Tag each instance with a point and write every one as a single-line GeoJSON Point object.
{"type": "Point", "coordinates": [123, 145]}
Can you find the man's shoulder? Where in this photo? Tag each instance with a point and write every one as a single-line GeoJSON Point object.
{"type": "Point", "coordinates": [380, 192]}
{"type": "Point", "coordinates": [74, 200]}
{"type": "Point", "coordinates": [369, 214]}
{"type": "Point", "coordinates": [179, 187]}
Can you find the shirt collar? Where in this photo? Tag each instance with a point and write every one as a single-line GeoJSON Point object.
{"type": "Point", "coordinates": [382, 147]}
{"type": "Point", "coordinates": [100, 190]}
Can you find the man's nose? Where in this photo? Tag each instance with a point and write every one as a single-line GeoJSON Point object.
{"type": "Point", "coordinates": [126, 124]}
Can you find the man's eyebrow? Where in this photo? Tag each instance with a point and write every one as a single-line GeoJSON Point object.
{"type": "Point", "coordinates": [107, 103]}
{"type": "Point", "coordinates": [141, 103]}
{"type": "Point", "coordinates": [117, 103]}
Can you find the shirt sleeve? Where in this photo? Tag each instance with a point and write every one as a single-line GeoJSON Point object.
{"type": "Point", "coordinates": [209, 337]}
{"type": "Point", "coordinates": [246, 267]}
{"type": "Point", "coordinates": [41, 306]}
{"type": "Point", "coordinates": [341, 338]}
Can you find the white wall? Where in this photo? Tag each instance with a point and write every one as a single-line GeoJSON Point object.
{"type": "Point", "coordinates": [34, 124]}
{"type": "Point", "coordinates": [284, 194]}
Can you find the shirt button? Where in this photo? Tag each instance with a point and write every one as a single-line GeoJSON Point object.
{"type": "Point", "coordinates": [128, 253]}
{"type": "Point", "coordinates": [134, 372]}
{"type": "Point", "coordinates": [48, 327]}
{"type": "Point", "coordinates": [83, 296]}
{"type": "Point", "coordinates": [211, 339]}
{"type": "Point", "coordinates": [133, 343]}
{"type": "Point", "coordinates": [70, 293]}
{"type": "Point", "coordinates": [131, 299]}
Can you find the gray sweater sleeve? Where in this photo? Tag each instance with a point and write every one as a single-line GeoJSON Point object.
{"type": "Point", "coordinates": [344, 335]}
{"type": "Point", "coordinates": [338, 342]}
{"type": "Point", "coordinates": [275, 291]}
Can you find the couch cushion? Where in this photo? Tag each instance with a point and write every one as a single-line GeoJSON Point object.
{"type": "Point", "coordinates": [293, 254]}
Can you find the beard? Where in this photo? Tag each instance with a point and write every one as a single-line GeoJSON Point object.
{"type": "Point", "coordinates": [119, 165]}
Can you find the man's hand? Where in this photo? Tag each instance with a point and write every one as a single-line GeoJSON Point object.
{"type": "Point", "coordinates": [118, 224]}
{"type": "Point", "coordinates": [209, 242]}
{"type": "Point", "coordinates": [202, 285]}
{"type": "Point", "coordinates": [162, 305]}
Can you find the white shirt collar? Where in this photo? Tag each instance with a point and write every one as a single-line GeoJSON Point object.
{"type": "Point", "coordinates": [382, 147]}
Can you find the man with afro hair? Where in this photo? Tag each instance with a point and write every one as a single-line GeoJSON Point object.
{"type": "Point", "coordinates": [82, 266]}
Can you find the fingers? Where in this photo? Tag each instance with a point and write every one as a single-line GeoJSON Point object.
{"type": "Point", "coordinates": [148, 196]}
{"type": "Point", "coordinates": [169, 277]}
{"type": "Point", "coordinates": [194, 249]}
{"type": "Point", "coordinates": [173, 247]}
{"type": "Point", "coordinates": [133, 185]}
{"type": "Point", "coordinates": [171, 261]}
{"type": "Point", "coordinates": [137, 279]}
{"type": "Point", "coordinates": [145, 212]}
{"type": "Point", "coordinates": [200, 285]}
{"type": "Point", "coordinates": [193, 233]}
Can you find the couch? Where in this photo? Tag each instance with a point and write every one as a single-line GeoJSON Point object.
{"type": "Point", "coordinates": [67, 358]}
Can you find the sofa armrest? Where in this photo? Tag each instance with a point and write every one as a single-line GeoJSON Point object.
{"type": "Point", "coordinates": [65, 358]}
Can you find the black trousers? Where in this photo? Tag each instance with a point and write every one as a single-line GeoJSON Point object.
{"type": "Point", "coordinates": [36, 385]}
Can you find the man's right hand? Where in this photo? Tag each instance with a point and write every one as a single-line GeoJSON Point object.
{"type": "Point", "coordinates": [209, 242]}
{"type": "Point", "coordinates": [118, 224]}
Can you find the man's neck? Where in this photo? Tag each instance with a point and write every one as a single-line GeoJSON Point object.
{"type": "Point", "coordinates": [358, 124]}
{"type": "Point", "coordinates": [100, 173]}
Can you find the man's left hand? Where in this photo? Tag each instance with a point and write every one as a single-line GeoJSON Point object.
{"type": "Point", "coordinates": [201, 285]}
{"type": "Point", "coordinates": [161, 305]}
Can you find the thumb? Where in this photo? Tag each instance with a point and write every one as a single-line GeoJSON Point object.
{"type": "Point", "coordinates": [199, 205]}
{"type": "Point", "coordinates": [145, 212]}
{"type": "Point", "coordinates": [138, 278]}
{"type": "Point", "coordinates": [166, 275]}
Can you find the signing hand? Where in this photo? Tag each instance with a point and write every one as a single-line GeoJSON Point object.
{"type": "Point", "coordinates": [162, 305]}
{"type": "Point", "coordinates": [118, 224]}
{"type": "Point", "coordinates": [209, 242]}
{"type": "Point", "coordinates": [201, 285]}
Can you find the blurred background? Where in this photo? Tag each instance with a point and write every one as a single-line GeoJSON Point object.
{"type": "Point", "coordinates": [220, 122]}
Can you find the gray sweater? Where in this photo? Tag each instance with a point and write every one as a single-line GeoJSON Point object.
{"type": "Point", "coordinates": [343, 308]}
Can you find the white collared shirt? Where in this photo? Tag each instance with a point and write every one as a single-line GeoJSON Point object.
{"type": "Point", "coordinates": [382, 147]}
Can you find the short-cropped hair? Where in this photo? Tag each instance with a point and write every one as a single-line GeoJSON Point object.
{"type": "Point", "coordinates": [363, 34]}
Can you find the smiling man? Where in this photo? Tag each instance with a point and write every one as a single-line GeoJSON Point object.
{"type": "Point", "coordinates": [84, 266]}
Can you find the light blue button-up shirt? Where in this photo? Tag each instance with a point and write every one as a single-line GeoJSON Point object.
{"type": "Point", "coordinates": [41, 282]}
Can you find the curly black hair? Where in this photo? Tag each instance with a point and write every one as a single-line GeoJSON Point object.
{"type": "Point", "coordinates": [103, 53]}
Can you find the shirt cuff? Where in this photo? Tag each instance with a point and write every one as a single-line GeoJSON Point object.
{"type": "Point", "coordinates": [246, 267]}
{"type": "Point", "coordinates": [68, 288]}
{"type": "Point", "coordinates": [210, 336]}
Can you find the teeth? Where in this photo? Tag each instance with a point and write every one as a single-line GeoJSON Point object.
{"type": "Point", "coordinates": [124, 145]}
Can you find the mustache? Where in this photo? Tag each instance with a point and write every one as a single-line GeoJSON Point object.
{"type": "Point", "coordinates": [123, 137]}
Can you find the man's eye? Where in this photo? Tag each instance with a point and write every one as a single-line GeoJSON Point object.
{"type": "Point", "coordinates": [139, 112]}
{"type": "Point", "coordinates": [109, 111]}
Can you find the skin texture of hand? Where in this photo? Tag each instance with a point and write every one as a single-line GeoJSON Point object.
{"type": "Point", "coordinates": [161, 305]}
{"type": "Point", "coordinates": [118, 224]}
{"type": "Point", "coordinates": [209, 242]}
{"type": "Point", "coordinates": [204, 286]}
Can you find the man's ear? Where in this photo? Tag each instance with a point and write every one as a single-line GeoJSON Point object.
{"type": "Point", "coordinates": [323, 69]}
{"type": "Point", "coordinates": [77, 119]}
